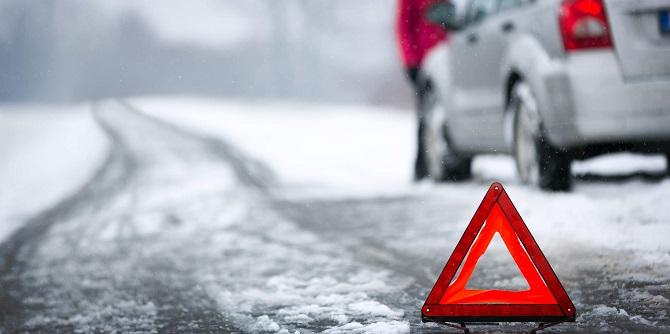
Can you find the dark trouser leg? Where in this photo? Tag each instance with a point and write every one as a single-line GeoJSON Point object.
{"type": "Point", "coordinates": [420, 165]}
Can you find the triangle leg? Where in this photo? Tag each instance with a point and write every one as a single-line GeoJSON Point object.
{"type": "Point", "coordinates": [460, 326]}
{"type": "Point", "coordinates": [544, 325]}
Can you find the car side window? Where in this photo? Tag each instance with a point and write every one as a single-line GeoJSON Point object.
{"type": "Point", "coordinates": [480, 9]}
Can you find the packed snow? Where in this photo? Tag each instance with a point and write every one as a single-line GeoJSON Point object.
{"type": "Point", "coordinates": [47, 152]}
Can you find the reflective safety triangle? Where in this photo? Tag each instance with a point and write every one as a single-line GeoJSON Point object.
{"type": "Point", "coordinates": [451, 300]}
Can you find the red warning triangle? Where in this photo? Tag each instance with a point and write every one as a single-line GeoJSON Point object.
{"type": "Point", "coordinates": [545, 299]}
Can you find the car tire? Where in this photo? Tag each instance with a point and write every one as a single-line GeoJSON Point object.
{"type": "Point", "coordinates": [442, 161]}
{"type": "Point", "coordinates": [537, 161]}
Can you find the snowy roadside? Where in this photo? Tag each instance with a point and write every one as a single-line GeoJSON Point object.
{"type": "Point", "coordinates": [616, 227]}
{"type": "Point", "coordinates": [47, 153]}
{"type": "Point", "coordinates": [366, 150]}
{"type": "Point", "coordinates": [307, 145]}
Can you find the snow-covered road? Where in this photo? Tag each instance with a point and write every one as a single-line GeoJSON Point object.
{"type": "Point", "coordinates": [234, 218]}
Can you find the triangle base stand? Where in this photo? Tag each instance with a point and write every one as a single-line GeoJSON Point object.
{"type": "Point", "coordinates": [457, 326]}
{"type": "Point", "coordinates": [462, 326]}
{"type": "Point", "coordinates": [545, 325]}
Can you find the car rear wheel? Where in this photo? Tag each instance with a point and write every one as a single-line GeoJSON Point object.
{"type": "Point", "coordinates": [538, 162]}
{"type": "Point", "coordinates": [443, 163]}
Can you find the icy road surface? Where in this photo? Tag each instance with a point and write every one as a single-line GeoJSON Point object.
{"type": "Point", "coordinates": [184, 232]}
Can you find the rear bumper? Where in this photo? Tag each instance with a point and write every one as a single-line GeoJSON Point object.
{"type": "Point", "coordinates": [586, 102]}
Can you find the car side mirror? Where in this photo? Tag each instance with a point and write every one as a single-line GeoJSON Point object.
{"type": "Point", "coordinates": [444, 15]}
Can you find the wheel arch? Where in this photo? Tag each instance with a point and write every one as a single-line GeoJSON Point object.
{"type": "Point", "coordinates": [435, 72]}
{"type": "Point", "coordinates": [527, 60]}
{"type": "Point", "coordinates": [513, 77]}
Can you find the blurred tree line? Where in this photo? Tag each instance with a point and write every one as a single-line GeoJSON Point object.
{"type": "Point", "coordinates": [321, 50]}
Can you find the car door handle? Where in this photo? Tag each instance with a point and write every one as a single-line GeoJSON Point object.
{"type": "Point", "coordinates": [507, 27]}
{"type": "Point", "coordinates": [472, 38]}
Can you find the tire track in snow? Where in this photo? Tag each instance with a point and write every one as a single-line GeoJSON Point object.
{"type": "Point", "coordinates": [50, 270]}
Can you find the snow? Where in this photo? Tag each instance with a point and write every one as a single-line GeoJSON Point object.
{"type": "Point", "coordinates": [48, 152]}
{"type": "Point", "coordinates": [268, 271]}
{"type": "Point", "coordinates": [602, 311]}
{"type": "Point", "coordinates": [372, 308]}
{"type": "Point", "coordinates": [621, 163]}
{"type": "Point", "coordinates": [619, 224]}
{"type": "Point", "coordinates": [134, 317]}
{"type": "Point", "coordinates": [264, 324]}
{"type": "Point", "coordinates": [369, 150]}
{"type": "Point", "coordinates": [349, 147]}
{"type": "Point", "coordinates": [304, 295]}
{"type": "Point", "coordinates": [618, 215]}
{"type": "Point", "coordinates": [355, 149]}
{"type": "Point", "coordinates": [394, 327]}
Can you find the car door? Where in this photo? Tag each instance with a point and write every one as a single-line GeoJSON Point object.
{"type": "Point", "coordinates": [474, 53]}
{"type": "Point", "coordinates": [495, 36]}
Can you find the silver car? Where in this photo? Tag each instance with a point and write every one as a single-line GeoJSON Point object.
{"type": "Point", "coordinates": [548, 81]}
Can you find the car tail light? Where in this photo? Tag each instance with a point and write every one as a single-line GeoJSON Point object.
{"type": "Point", "coordinates": [584, 25]}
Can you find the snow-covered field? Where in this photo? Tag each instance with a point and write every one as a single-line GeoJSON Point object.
{"type": "Point", "coordinates": [46, 153]}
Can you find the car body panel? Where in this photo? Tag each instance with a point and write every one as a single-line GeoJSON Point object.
{"type": "Point", "coordinates": [642, 50]}
{"type": "Point", "coordinates": [474, 57]}
{"type": "Point", "coordinates": [585, 97]}
{"type": "Point", "coordinates": [594, 101]}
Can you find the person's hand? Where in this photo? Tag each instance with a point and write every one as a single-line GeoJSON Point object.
{"type": "Point", "coordinates": [413, 74]}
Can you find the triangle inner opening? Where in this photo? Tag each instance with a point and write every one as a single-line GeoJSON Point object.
{"type": "Point", "coordinates": [536, 292]}
{"type": "Point", "coordinates": [496, 270]}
